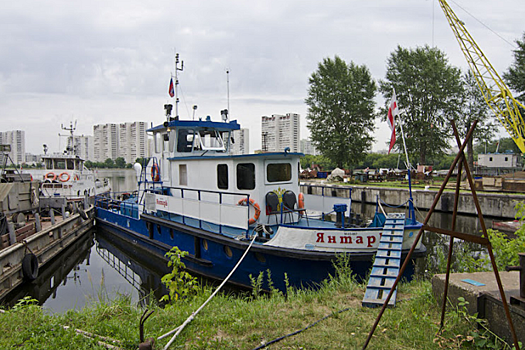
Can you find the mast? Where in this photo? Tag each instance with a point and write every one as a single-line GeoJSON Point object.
{"type": "Point", "coordinates": [177, 83]}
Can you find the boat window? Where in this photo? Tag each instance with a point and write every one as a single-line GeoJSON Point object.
{"type": "Point", "coordinates": [60, 164]}
{"type": "Point", "coordinates": [278, 172]}
{"type": "Point", "coordinates": [183, 175]}
{"type": "Point", "coordinates": [70, 164]}
{"type": "Point", "coordinates": [222, 176]}
{"type": "Point", "coordinates": [245, 176]}
{"type": "Point", "coordinates": [211, 140]}
{"type": "Point", "coordinates": [49, 164]}
{"type": "Point", "coordinates": [184, 140]}
{"type": "Point", "coordinates": [77, 165]}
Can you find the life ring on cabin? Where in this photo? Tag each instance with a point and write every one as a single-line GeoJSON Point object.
{"type": "Point", "coordinates": [155, 174]}
{"type": "Point", "coordinates": [255, 206]}
{"type": "Point", "coordinates": [51, 176]}
{"type": "Point", "coordinates": [64, 177]}
{"type": "Point", "coordinates": [76, 177]}
{"type": "Point", "coordinates": [30, 266]}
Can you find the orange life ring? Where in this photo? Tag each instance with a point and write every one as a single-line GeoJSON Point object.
{"type": "Point", "coordinates": [255, 206]}
{"type": "Point", "coordinates": [50, 176]}
{"type": "Point", "coordinates": [64, 177]}
{"type": "Point", "coordinates": [301, 201]}
{"type": "Point", "coordinates": [155, 173]}
{"type": "Point", "coordinates": [76, 177]}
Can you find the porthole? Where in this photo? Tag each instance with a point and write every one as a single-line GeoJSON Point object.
{"type": "Point", "coordinates": [205, 244]}
{"type": "Point", "coordinates": [228, 251]}
{"type": "Point", "coordinates": [260, 258]}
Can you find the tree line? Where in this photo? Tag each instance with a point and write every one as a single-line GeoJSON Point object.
{"type": "Point", "coordinates": [430, 92]}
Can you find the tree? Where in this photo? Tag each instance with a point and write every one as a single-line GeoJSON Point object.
{"type": "Point", "coordinates": [515, 76]}
{"type": "Point", "coordinates": [429, 90]}
{"type": "Point", "coordinates": [475, 108]}
{"type": "Point", "coordinates": [120, 163]}
{"type": "Point", "coordinates": [109, 163]}
{"type": "Point", "coordinates": [340, 113]}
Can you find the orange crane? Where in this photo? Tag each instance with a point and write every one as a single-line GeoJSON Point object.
{"type": "Point", "coordinates": [496, 93]}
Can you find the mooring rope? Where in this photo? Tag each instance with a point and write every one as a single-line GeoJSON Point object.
{"type": "Point", "coordinates": [192, 316]}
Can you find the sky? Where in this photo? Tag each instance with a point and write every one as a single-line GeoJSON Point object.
{"type": "Point", "coordinates": [108, 61]}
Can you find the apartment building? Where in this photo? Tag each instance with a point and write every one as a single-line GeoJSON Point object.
{"type": "Point", "coordinates": [17, 140]}
{"type": "Point", "coordinates": [241, 143]}
{"type": "Point", "coordinates": [279, 132]}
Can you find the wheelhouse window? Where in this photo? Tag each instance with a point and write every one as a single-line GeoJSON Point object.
{"type": "Point", "coordinates": [70, 164]}
{"type": "Point", "coordinates": [279, 172]}
{"type": "Point", "coordinates": [245, 176]}
{"type": "Point", "coordinates": [158, 142]}
{"type": "Point", "coordinates": [185, 140]}
{"type": "Point", "coordinates": [210, 140]}
{"type": "Point", "coordinates": [60, 164]}
{"type": "Point", "coordinates": [222, 176]}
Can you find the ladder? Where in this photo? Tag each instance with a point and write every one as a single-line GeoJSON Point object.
{"type": "Point", "coordinates": [387, 262]}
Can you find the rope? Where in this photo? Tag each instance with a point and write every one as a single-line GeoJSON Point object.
{"type": "Point", "coordinates": [393, 206]}
{"type": "Point", "coordinates": [301, 330]}
{"type": "Point", "coordinates": [192, 316]}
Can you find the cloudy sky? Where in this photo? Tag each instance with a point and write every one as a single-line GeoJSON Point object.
{"type": "Point", "coordinates": [108, 61]}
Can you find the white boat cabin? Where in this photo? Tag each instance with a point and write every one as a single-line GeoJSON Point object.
{"type": "Point", "coordinates": [196, 163]}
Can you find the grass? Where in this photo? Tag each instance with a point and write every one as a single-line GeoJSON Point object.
{"type": "Point", "coordinates": [246, 321]}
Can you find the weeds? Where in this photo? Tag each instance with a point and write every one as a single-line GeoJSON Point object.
{"type": "Point", "coordinates": [179, 282]}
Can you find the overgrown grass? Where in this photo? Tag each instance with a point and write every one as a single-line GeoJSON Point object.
{"type": "Point", "coordinates": [246, 321]}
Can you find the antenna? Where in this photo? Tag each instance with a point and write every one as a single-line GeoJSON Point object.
{"type": "Point", "coordinates": [228, 87]}
{"type": "Point", "coordinates": [177, 83]}
{"type": "Point", "coordinates": [194, 109]}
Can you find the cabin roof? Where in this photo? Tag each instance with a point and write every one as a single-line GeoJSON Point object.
{"type": "Point", "coordinates": [272, 155]}
{"type": "Point", "coordinates": [221, 126]}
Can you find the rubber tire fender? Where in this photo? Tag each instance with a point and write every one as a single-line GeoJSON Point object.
{"type": "Point", "coordinates": [30, 266]}
{"type": "Point", "coordinates": [82, 213]}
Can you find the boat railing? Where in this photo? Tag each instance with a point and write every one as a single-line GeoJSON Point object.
{"type": "Point", "coordinates": [322, 198]}
{"type": "Point", "coordinates": [204, 207]}
{"type": "Point", "coordinates": [122, 202]}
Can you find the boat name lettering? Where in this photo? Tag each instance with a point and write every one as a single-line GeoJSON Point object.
{"type": "Point", "coordinates": [162, 202]}
{"type": "Point", "coordinates": [345, 239]}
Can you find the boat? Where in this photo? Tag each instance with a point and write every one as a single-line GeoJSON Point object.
{"type": "Point", "coordinates": [195, 194]}
{"type": "Point", "coordinates": [30, 234]}
{"type": "Point", "coordinates": [65, 178]}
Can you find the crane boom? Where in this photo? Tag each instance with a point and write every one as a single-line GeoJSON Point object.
{"type": "Point", "coordinates": [494, 90]}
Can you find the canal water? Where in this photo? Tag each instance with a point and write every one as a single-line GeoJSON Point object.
{"type": "Point", "coordinates": [100, 267]}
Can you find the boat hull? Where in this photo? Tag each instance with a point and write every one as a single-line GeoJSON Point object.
{"type": "Point", "coordinates": [213, 255]}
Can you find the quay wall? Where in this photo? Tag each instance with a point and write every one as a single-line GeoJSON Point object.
{"type": "Point", "coordinates": [495, 205]}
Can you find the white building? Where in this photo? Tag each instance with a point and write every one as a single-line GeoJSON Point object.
{"type": "Point", "coordinates": [500, 160]}
{"type": "Point", "coordinates": [105, 139]}
{"type": "Point", "coordinates": [132, 141]}
{"type": "Point", "coordinates": [84, 147]}
{"type": "Point", "coordinates": [17, 140]}
{"type": "Point", "coordinates": [126, 140]}
{"type": "Point", "coordinates": [241, 139]}
{"type": "Point", "coordinates": [279, 132]}
{"type": "Point", "coordinates": [308, 148]}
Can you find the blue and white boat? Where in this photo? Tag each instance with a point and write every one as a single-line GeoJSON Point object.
{"type": "Point", "coordinates": [196, 195]}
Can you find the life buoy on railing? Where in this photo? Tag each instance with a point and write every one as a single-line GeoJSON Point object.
{"type": "Point", "coordinates": [64, 177]}
{"type": "Point", "coordinates": [51, 176]}
{"type": "Point", "coordinates": [155, 174]}
{"type": "Point", "coordinates": [255, 206]}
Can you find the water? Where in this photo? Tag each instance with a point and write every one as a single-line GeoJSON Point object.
{"type": "Point", "coordinates": [100, 267]}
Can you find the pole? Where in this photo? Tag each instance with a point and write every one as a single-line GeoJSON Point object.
{"type": "Point", "coordinates": [411, 200]}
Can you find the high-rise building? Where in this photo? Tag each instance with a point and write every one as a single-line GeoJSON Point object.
{"type": "Point", "coordinates": [84, 147]}
{"type": "Point", "coordinates": [132, 141]}
{"type": "Point", "coordinates": [106, 139]}
{"type": "Point", "coordinates": [241, 143]}
{"type": "Point", "coordinates": [308, 148]}
{"type": "Point", "coordinates": [126, 140]}
{"type": "Point", "coordinates": [279, 132]}
{"type": "Point", "coordinates": [17, 140]}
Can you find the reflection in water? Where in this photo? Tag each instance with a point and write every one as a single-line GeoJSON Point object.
{"type": "Point", "coordinates": [81, 274]}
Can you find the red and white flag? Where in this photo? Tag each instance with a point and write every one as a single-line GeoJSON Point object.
{"type": "Point", "coordinates": [171, 90]}
{"type": "Point", "coordinates": [392, 112]}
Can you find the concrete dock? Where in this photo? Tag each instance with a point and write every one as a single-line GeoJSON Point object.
{"type": "Point", "coordinates": [481, 291]}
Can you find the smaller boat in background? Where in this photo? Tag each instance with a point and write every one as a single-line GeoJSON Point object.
{"type": "Point", "coordinates": [65, 176]}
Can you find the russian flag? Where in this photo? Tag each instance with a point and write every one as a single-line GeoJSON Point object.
{"type": "Point", "coordinates": [171, 90]}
